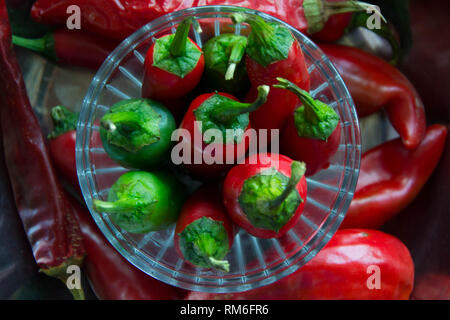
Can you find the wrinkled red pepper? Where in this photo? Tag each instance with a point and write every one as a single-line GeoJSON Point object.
{"type": "Point", "coordinates": [344, 269]}
{"type": "Point", "coordinates": [110, 275]}
{"type": "Point", "coordinates": [390, 178]}
{"type": "Point", "coordinates": [46, 214]}
{"type": "Point", "coordinates": [118, 19]}
{"type": "Point", "coordinates": [375, 84]}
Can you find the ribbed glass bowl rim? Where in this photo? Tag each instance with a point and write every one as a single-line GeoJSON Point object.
{"type": "Point", "coordinates": [157, 270]}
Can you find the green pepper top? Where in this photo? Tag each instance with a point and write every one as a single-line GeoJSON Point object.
{"type": "Point", "coordinates": [268, 42]}
{"type": "Point", "coordinates": [141, 201]}
{"type": "Point", "coordinates": [314, 119]}
{"type": "Point", "coordinates": [205, 243]}
{"type": "Point", "coordinates": [269, 199]}
{"type": "Point", "coordinates": [222, 113]}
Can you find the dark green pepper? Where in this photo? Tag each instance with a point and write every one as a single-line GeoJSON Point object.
{"type": "Point", "coordinates": [137, 133]}
{"type": "Point", "coordinates": [141, 202]}
{"type": "Point", "coordinates": [224, 67]}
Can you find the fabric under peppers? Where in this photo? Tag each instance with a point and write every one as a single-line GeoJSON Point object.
{"type": "Point", "coordinates": [46, 214]}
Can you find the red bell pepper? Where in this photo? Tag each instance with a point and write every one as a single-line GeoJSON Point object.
{"type": "Point", "coordinates": [346, 269]}
{"type": "Point", "coordinates": [110, 275]}
{"type": "Point", "coordinates": [375, 84]}
{"type": "Point", "coordinates": [223, 113]}
{"type": "Point", "coordinates": [173, 65]}
{"type": "Point", "coordinates": [312, 133]}
{"type": "Point", "coordinates": [47, 217]}
{"type": "Point", "coordinates": [70, 47]}
{"type": "Point", "coordinates": [204, 233]}
{"type": "Point", "coordinates": [272, 51]}
{"type": "Point", "coordinates": [390, 178]}
{"type": "Point", "coordinates": [118, 19]}
{"type": "Point", "coordinates": [266, 194]}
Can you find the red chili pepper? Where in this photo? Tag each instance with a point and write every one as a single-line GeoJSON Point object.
{"type": "Point", "coordinates": [224, 114]}
{"type": "Point", "coordinates": [375, 84]}
{"type": "Point", "coordinates": [356, 264]}
{"type": "Point", "coordinates": [312, 133]}
{"type": "Point", "coordinates": [173, 65]}
{"type": "Point", "coordinates": [70, 47]}
{"type": "Point", "coordinates": [266, 194]}
{"type": "Point", "coordinates": [390, 178]}
{"type": "Point", "coordinates": [46, 214]}
{"type": "Point", "coordinates": [118, 19]}
{"type": "Point", "coordinates": [204, 234]}
{"type": "Point", "coordinates": [110, 275]}
{"type": "Point", "coordinates": [432, 286]}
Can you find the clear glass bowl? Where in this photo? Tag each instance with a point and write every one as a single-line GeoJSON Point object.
{"type": "Point", "coordinates": [254, 262]}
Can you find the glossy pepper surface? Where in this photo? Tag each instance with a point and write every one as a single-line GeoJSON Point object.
{"type": "Point", "coordinates": [173, 65]}
{"type": "Point", "coordinates": [266, 194]}
{"type": "Point", "coordinates": [312, 133]}
{"type": "Point", "coordinates": [140, 201]}
{"type": "Point", "coordinates": [47, 217]}
{"type": "Point", "coordinates": [70, 47]}
{"type": "Point", "coordinates": [227, 121]}
{"type": "Point", "coordinates": [118, 19]}
{"type": "Point", "coordinates": [374, 84]}
{"type": "Point", "coordinates": [342, 270]}
{"type": "Point", "coordinates": [137, 133]}
{"type": "Point", "coordinates": [204, 233]}
{"type": "Point", "coordinates": [390, 178]}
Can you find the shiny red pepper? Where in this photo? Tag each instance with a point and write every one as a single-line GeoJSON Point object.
{"type": "Point", "coordinates": [345, 269]}
{"type": "Point", "coordinates": [204, 233]}
{"type": "Point", "coordinates": [390, 178]}
{"type": "Point", "coordinates": [110, 275]}
{"type": "Point", "coordinates": [375, 84]}
{"type": "Point", "coordinates": [118, 19]}
{"type": "Point", "coordinates": [266, 194]}
{"type": "Point", "coordinates": [70, 47]}
{"type": "Point", "coordinates": [45, 211]}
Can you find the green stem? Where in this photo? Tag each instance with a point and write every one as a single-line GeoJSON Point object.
{"type": "Point", "coordinates": [298, 169]}
{"type": "Point", "coordinates": [237, 53]}
{"type": "Point", "coordinates": [332, 8]}
{"type": "Point", "coordinates": [64, 120]}
{"type": "Point", "coordinates": [119, 206]}
{"type": "Point", "coordinates": [205, 242]}
{"type": "Point", "coordinates": [263, 31]}
{"type": "Point", "coordinates": [44, 45]}
{"type": "Point", "coordinates": [178, 46]}
{"type": "Point", "coordinates": [231, 109]}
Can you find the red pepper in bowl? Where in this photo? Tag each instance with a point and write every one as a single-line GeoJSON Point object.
{"type": "Point", "coordinates": [204, 233]}
{"type": "Point", "coordinates": [223, 113]}
{"type": "Point", "coordinates": [173, 65]}
{"type": "Point", "coordinates": [266, 194]}
{"type": "Point", "coordinates": [375, 84]}
{"type": "Point", "coordinates": [390, 178]}
{"type": "Point", "coordinates": [312, 133]}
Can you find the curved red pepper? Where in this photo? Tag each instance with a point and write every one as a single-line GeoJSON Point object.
{"type": "Point", "coordinates": [110, 275]}
{"type": "Point", "coordinates": [234, 182]}
{"type": "Point", "coordinates": [390, 178]}
{"type": "Point", "coordinates": [205, 202]}
{"type": "Point", "coordinates": [344, 269]}
{"type": "Point", "coordinates": [375, 84]}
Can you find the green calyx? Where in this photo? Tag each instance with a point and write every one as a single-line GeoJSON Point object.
{"type": "Point", "coordinates": [317, 12]}
{"type": "Point", "coordinates": [268, 42]}
{"type": "Point", "coordinates": [132, 124]}
{"type": "Point", "coordinates": [175, 53]}
{"type": "Point", "coordinates": [314, 119]}
{"type": "Point", "coordinates": [224, 114]}
{"type": "Point", "coordinates": [64, 120]}
{"type": "Point", "coordinates": [269, 199]}
{"type": "Point", "coordinates": [44, 45]}
{"type": "Point", "coordinates": [205, 243]}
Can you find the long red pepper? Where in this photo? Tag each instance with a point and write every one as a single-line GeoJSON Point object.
{"type": "Point", "coordinates": [390, 178]}
{"type": "Point", "coordinates": [356, 264]}
{"type": "Point", "coordinates": [70, 47]}
{"type": "Point", "coordinates": [374, 84]}
{"type": "Point", "coordinates": [111, 276]}
{"type": "Point", "coordinates": [118, 19]}
{"type": "Point", "coordinates": [46, 214]}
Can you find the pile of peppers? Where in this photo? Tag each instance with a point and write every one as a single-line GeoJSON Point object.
{"type": "Point", "coordinates": [244, 85]}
